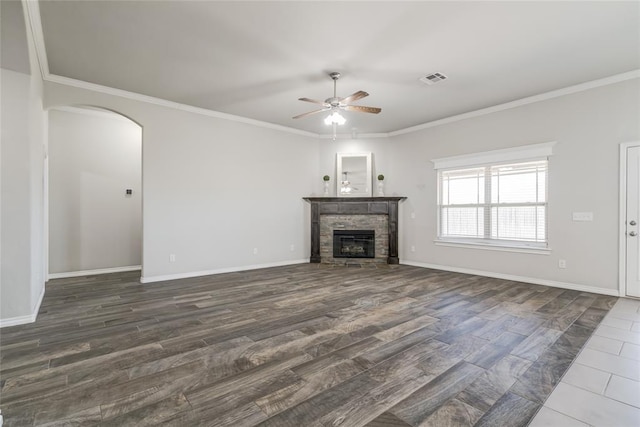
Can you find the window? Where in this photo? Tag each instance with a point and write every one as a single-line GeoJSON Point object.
{"type": "Point", "coordinates": [503, 203]}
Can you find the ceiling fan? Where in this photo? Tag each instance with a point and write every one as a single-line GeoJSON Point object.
{"type": "Point", "coordinates": [334, 103]}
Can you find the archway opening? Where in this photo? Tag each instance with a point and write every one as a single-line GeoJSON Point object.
{"type": "Point", "coordinates": [94, 192]}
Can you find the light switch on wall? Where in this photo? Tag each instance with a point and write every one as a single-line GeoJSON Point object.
{"type": "Point", "coordinates": [583, 216]}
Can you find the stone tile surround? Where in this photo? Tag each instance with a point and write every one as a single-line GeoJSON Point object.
{"type": "Point", "coordinates": [378, 223]}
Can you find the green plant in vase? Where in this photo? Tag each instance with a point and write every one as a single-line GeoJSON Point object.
{"type": "Point", "coordinates": [326, 180]}
{"type": "Point", "coordinates": [380, 185]}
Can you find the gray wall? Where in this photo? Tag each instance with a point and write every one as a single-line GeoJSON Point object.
{"type": "Point", "coordinates": [214, 189]}
{"type": "Point", "coordinates": [381, 149]}
{"type": "Point", "coordinates": [583, 176]}
{"type": "Point", "coordinates": [93, 157]}
{"type": "Point", "coordinates": [22, 157]}
{"type": "Point", "coordinates": [15, 181]}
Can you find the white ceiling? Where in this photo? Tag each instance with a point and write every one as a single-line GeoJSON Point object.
{"type": "Point", "coordinates": [254, 59]}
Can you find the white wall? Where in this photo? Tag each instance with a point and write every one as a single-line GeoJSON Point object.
{"type": "Point", "coordinates": [93, 158]}
{"type": "Point", "coordinates": [214, 189]}
{"type": "Point", "coordinates": [588, 127]}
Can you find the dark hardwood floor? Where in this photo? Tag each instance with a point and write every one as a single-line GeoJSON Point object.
{"type": "Point", "coordinates": [304, 345]}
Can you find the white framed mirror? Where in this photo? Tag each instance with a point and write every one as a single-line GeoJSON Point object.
{"type": "Point", "coordinates": [353, 174]}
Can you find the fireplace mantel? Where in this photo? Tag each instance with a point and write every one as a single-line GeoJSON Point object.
{"type": "Point", "coordinates": [354, 206]}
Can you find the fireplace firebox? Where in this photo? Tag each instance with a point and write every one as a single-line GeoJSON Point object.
{"type": "Point", "coordinates": [354, 244]}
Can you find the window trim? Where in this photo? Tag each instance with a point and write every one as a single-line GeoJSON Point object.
{"type": "Point", "coordinates": [505, 155]}
{"type": "Point", "coordinates": [522, 154]}
{"type": "Point", "coordinates": [501, 246]}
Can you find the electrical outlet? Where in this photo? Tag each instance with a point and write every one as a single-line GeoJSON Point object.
{"type": "Point", "coordinates": [413, 215]}
{"type": "Point", "coordinates": [255, 251]}
{"type": "Point", "coordinates": [413, 248]}
{"type": "Point", "coordinates": [562, 263]}
{"type": "Point", "coordinates": [172, 257]}
{"type": "Point", "coordinates": [292, 247]}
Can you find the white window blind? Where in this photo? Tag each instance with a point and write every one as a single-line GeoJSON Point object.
{"type": "Point", "coordinates": [502, 203]}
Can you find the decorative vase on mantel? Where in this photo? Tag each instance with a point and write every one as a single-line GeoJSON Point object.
{"type": "Point", "coordinates": [326, 179]}
{"type": "Point", "coordinates": [380, 186]}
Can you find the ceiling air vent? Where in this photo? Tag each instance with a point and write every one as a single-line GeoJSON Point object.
{"type": "Point", "coordinates": [433, 78]}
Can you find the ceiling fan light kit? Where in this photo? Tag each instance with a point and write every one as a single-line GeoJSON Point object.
{"type": "Point", "coordinates": [335, 118]}
{"type": "Point", "coordinates": [335, 104]}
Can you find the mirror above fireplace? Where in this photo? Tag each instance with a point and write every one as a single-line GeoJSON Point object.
{"type": "Point", "coordinates": [353, 174]}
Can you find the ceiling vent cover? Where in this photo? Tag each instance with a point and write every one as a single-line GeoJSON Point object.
{"type": "Point", "coordinates": [433, 78]}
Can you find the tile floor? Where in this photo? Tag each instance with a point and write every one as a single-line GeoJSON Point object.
{"type": "Point", "coordinates": [602, 386]}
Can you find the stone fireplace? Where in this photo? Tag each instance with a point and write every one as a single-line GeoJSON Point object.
{"type": "Point", "coordinates": [377, 225]}
{"type": "Point", "coordinates": [361, 230]}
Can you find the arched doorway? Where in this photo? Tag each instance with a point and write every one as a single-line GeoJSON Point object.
{"type": "Point", "coordinates": [94, 192]}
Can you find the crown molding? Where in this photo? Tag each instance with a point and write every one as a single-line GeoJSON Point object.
{"type": "Point", "coordinates": [171, 104]}
{"type": "Point", "coordinates": [211, 113]}
{"type": "Point", "coordinates": [630, 75]}
{"type": "Point", "coordinates": [349, 136]}
{"type": "Point", "coordinates": [32, 11]}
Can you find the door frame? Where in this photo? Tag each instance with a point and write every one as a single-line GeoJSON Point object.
{"type": "Point", "coordinates": [622, 228]}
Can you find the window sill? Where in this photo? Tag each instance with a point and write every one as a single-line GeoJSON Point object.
{"type": "Point", "coordinates": [494, 247]}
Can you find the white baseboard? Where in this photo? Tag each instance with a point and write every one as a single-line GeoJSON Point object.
{"type": "Point", "coordinates": [220, 271]}
{"type": "Point", "coordinates": [533, 280]}
{"type": "Point", "coordinates": [93, 272]}
{"type": "Point", "coordinates": [36, 309]}
{"type": "Point", "coordinates": [21, 320]}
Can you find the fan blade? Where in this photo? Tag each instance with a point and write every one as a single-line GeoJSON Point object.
{"type": "Point", "coordinates": [360, 108]}
{"type": "Point", "coordinates": [354, 97]}
{"type": "Point", "coordinates": [313, 101]}
{"type": "Point", "coordinates": [299, 116]}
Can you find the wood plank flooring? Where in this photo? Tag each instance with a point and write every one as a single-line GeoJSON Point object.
{"type": "Point", "coordinates": [303, 345]}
